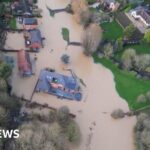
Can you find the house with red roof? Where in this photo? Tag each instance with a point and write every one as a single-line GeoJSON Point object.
{"type": "Point", "coordinates": [24, 63]}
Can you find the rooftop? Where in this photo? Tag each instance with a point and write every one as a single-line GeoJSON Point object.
{"type": "Point", "coordinates": [59, 85]}
{"type": "Point", "coordinates": [145, 15]}
{"type": "Point", "coordinates": [30, 21]}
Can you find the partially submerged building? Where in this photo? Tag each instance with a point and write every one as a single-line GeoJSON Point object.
{"type": "Point", "coordinates": [60, 85]}
{"type": "Point", "coordinates": [24, 63]}
{"type": "Point", "coordinates": [30, 23]}
{"type": "Point", "coordinates": [33, 39]}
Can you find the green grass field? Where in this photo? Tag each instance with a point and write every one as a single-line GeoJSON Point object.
{"type": "Point", "coordinates": [112, 30]}
{"type": "Point", "coordinates": [127, 85]}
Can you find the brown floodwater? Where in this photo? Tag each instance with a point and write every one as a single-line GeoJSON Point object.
{"type": "Point", "coordinates": [99, 130]}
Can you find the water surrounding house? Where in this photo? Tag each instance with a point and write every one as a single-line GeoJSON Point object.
{"type": "Point", "coordinates": [60, 85]}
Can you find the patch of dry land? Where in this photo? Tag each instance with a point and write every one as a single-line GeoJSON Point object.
{"type": "Point", "coordinates": [99, 130]}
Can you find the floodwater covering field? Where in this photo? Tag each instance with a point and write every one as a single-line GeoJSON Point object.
{"type": "Point", "coordinates": [98, 129]}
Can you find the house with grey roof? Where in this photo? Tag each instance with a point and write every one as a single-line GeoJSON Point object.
{"type": "Point", "coordinates": [30, 23]}
{"type": "Point", "coordinates": [142, 14]}
{"type": "Point", "coordinates": [34, 40]}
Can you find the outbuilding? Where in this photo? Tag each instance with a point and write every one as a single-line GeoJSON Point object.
{"type": "Point", "coordinates": [24, 63]}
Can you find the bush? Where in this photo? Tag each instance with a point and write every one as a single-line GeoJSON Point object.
{"type": "Point", "coordinates": [148, 95]}
{"type": "Point", "coordinates": [141, 62]}
{"type": "Point", "coordinates": [66, 35]}
{"type": "Point", "coordinates": [142, 132]}
{"type": "Point", "coordinates": [128, 58]}
{"type": "Point", "coordinates": [146, 123]}
{"type": "Point", "coordinates": [145, 138]}
{"type": "Point", "coordinates": [3, 117]}
{"type": "Point", "coordinates": [3, 85]}
{"type": "Point", "coordinates": [141, 98]}
{"type": "Point", "coordinates": [119, 44]}
{"type": "Point", "coordinates": [78, 6]}
{"type": "Point", "coordinates": [72, 132]}
{"type": "Point", "coordinates": [108, 50]}
{"type": "Point", "coordinates": [141, 117]}
{"type": "Point", "coordinates": [129, 31]}
{"type": "Point", "coordinates": [37, 136]}
{"type": "Point", "coordinates": [65, 59]}
{"type": "Point", "coordinates": [52, 116]}
{"type": "Point", "coordinates": [147, 37]}
{"type": "Point", "coordinates": [5, 70]}
{"type": "Point", "coordinates": [91, 1]}
{"type": "Point", "coordinates": [85, 17]}
{"type": "Point", "coordinates": [63, 116]}
{"type": "Point", "coordinates": [35, 1]}
{"type": "Point", "coordinates": [118, 113]}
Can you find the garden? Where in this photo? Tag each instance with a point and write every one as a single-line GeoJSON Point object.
{"type": "Point", "coordinates": [128, 59]}
{"type": "Point", "coordinates": [111, 30]}
{"type": "Point", "coordinates": [127, 85]}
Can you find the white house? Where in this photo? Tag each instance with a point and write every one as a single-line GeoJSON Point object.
{"type": "Point", "coordinates": [141, 14]}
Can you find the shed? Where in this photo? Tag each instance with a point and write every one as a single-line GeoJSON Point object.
{"type": "Point", "coordinates": [34, 41]}
{"type": "Point", "coordinates": [24, 63]}
{"type": "Point", "coordinates": [30, 23]}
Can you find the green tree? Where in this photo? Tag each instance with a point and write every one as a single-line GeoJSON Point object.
{"type": "Point", "coordinates": [129, 31]}
{"type": "Point", "coordinates": [5, 70]}
{"type": "Point", "coordinates": [147, 37]}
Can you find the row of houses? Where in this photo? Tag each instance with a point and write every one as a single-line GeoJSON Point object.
{"type": "Point", "coordinates": [49, 81]}
{"type": "Point", "coordinates": [33, 41]}
{"type": "Point", "coordinates": [32, 35]}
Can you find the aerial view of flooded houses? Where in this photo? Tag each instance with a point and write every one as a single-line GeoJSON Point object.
{"type": "Point", "coordinates": [75, 75]}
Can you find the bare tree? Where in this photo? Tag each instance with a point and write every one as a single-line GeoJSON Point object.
{"type": "Point", "coordinates": [78, 7]}
{"type": "Point", "coordinates": [91, 39]}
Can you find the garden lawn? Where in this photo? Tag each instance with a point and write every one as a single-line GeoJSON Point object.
{"type": "Point", "coordinates": [112, 30]}
{"type": "Point", "coordinates": [12, 23]}
{"type": "Point", "coordinates": [142, 48]}
{"type": "Point", "coordinates": [127, 85]}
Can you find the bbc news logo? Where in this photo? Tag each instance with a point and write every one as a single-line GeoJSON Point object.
{"type": "Point", "coordinates": [9, 134]}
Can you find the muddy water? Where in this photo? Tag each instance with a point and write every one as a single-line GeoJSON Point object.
{"type": "Point", "coordinates": [99, 130]}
